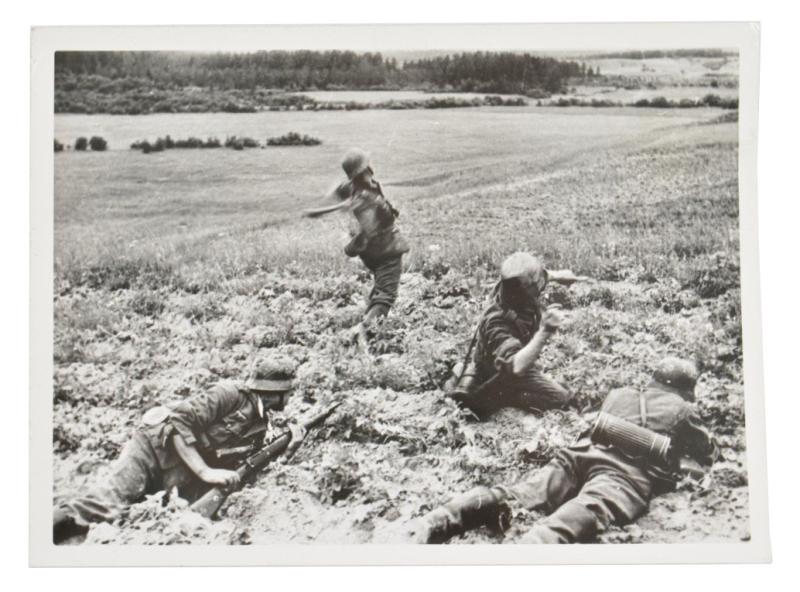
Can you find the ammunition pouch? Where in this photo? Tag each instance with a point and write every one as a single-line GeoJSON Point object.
{"type": "Point", "coordinates": [632, 440]}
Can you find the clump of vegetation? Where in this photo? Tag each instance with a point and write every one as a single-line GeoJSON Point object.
{"type": "Point", "coordinates": [576, 102]}
{"type": "Point", "coordinates": [57, 146]}
{"type": "Point", "coordinates": [240, 143]}
{"type": "Point", "coordinates": [98, 143]}
{"type": "Point", "coordinates": [147, 304]}
{"type": "Point", "coordinates": [709, 100]}
{"type": "Point", "coordinates": [293, 139]}
{"type": "Point", "coordinates": [167, 143]}
{"type": "Point", "coordinates": [81, 144]}
{"type": "Point", "coordinates": [713, 275]}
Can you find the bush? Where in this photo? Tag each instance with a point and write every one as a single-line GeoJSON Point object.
{"type": "Point", "coordinates": [81, 144]}
{"type": "Point", "coordinates": [98, 144]}
{"type": "Point", "coordinates": [240, 143]}
{"type": "Point", "coordinates": [58, 146]}
{"type": "Point", "coordinates": [293, 139]}
{"type": "Point", "coordinates": [167, 143]}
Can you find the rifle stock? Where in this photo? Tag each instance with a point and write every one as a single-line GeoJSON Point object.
{"type": "Point", "coordinates": [210, 503]}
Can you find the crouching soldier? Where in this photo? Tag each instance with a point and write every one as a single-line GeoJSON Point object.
{"type": "Point", "coordinates": [375, 238]}
{"type": "Point", "coordinates": [607, 477]}
{"type": "Point", "coordinates": [191, 446]}
{"type": "Point", "coordinates": [509, 340]}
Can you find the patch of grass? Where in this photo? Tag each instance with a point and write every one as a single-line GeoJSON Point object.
{"type": "Point", "coordinates": [147, 303]}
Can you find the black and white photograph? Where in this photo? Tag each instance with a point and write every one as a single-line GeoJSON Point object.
{"type": "Point", "coordinates": [357, 289]}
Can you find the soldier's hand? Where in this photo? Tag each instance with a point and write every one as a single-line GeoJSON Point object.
{"type": "Point", "coordinates": [298, 435]}
{"type": "Point", "coordinates": [553, 317]}
{"type": "Point", "coordinates": [222, 477]}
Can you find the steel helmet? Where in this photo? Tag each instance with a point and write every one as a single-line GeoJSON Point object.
{"type": "Point", "coordinates": [526, 267]}
{"type": "Point", "coordinates": [678, 374]}
{"type": "Point", "coordinates": [272, 375]}
{"type": "Point", "coordinates": [355, 162]}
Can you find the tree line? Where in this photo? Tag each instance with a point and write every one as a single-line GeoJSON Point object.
{"type": "Point", "coordinates": [501, 72]}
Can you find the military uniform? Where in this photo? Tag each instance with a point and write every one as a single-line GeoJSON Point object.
{"type": "Point", "coordinates": [375, 239]}
{"type": "Point", "coordinates": [225, 416]}
{"type": "Point", "coordinates": [588, 487]}
{"type": "Point", "coordinates": [502, 332]}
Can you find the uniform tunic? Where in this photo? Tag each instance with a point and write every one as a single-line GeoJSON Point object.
{"type": "Point", "coordinates": [502, 332]}
{"type": "Point", "coordinates": [588, 487]}
{"type": "Point", "coordinates": [221, 417]}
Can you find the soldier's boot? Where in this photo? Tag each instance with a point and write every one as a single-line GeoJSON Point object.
{"type": "Point", "coordinates": [65, 527]}
{"type": "Point", "coordinates": [375, 312]}
{"type": "Point", "coordinates": [481, 506]}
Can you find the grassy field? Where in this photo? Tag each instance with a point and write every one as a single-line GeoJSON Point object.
{"type": "Point", "coordinates": [177, 269]}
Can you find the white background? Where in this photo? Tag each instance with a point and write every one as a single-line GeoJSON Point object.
{"type": "Point", "coordinates": [778, 210]}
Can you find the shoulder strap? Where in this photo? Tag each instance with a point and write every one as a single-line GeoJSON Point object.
{"type": "Point", "coordinates": [643, 409]}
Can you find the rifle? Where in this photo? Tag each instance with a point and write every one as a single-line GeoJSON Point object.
{"type": "Point", "coordinates": [212, 500]}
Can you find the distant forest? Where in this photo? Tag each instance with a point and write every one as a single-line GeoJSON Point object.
{"type": "Point", "coordinates": [115, 72]}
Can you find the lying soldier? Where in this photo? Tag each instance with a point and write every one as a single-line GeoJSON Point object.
{"type": "Point", "coordinates": [601, 480]}
{"type": "Point", "coordinates": [188, 447]}
{"type": "Point", "coordinates": [509, 340]}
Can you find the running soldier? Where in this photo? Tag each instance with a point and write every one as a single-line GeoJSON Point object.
{"type": "Point", "coordinates": [375, 238]}
{"type": "Point", "coordinates": [189, 446]}
{"type": "Point", "coordinates": [600, 480]}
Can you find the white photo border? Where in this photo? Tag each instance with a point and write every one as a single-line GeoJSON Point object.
{"type": "Point", "coordinates": [46, 41]}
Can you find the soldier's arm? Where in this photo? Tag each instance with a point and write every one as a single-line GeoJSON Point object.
{"type": "Point", "coordinates": [510, 356]}
{"type": "Point", "coordinates": [527, 356]}
{"type": "Point", "coordinates": [189, 455]}
{"type": "Point", "coordinates": [317, 212]}
{"type": "Point", "coordinates": [694, 441]}
{"type": "Point", "coordinates": [340, 197]}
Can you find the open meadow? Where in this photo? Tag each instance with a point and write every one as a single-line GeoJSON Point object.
{"type": "Point", "coordinates": [174, 270]}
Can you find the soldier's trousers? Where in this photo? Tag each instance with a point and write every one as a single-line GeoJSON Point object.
{"type": "Point", "coordinates": [584, 490]}
{"type": "Point", "coordinates": [531, 391]}
{"type": "Point", "coordinates": [386, 274]}
{"type": "Point", "coordinates": [133, 475]}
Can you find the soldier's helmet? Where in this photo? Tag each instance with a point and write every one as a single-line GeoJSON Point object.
{"type": "Point", "coordinates": [525, 267]}
{"type": "Point", "coordinates": [355, 162]}
{"type": "Point", "coordinates": [272, 375]}
{"type": "Point", "coordinates": [678, 374]}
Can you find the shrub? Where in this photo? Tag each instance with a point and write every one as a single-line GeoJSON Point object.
{"type": "Point", "coordinates": [98, 143]}
{"type": "Point", "coordinates": [58, 146]}
{"type": "Point", "coordinates": [167, 143]}
{"type": "Point", "coordinates": [81, 144]}
{"type": "Point", "coordinates": [660, 102]}
{"type": "Point", "coordinates": [293, 139]}
{"type": "Point", "coordinates": [240, 143]}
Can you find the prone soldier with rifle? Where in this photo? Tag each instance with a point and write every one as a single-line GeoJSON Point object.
{"type": "Point", "coordinates": [193, 446]}
{"type": "Point", "coordinates": [633, 453]}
